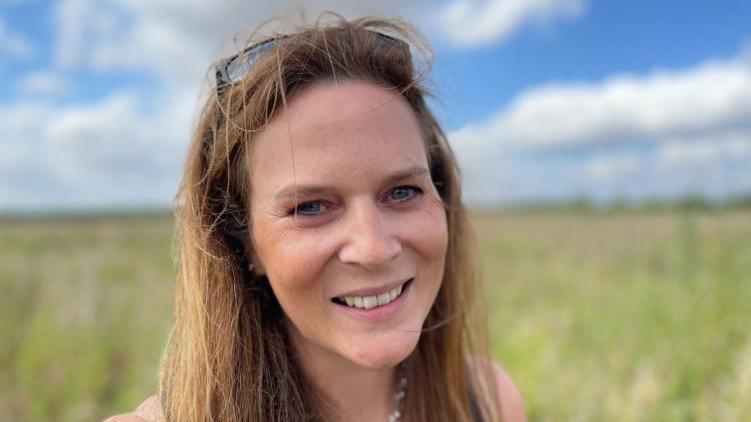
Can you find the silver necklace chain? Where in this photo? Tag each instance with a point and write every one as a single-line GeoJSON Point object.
{"type": "Point", "coordinates": [401, 391]}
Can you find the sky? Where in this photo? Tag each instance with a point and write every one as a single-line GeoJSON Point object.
{"type": "Point", "coordinates": [542, 100]}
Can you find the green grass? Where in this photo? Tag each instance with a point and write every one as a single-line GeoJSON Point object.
{"type": "Point", "coordinates": [85, 309]}
{"type": "Point", "coordinates": [623, 317]}
{"type": "Point", "coordinates": [618, 317]}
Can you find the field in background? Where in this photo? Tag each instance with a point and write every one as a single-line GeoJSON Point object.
{"type": "Point", "coordinates": [598, 316]}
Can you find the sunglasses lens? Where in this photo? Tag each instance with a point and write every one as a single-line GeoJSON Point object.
{"type": "Point", "coordinates": [239, 67]}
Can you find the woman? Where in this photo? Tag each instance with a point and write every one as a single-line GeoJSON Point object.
{"type": "Point", "coordinates": [324, 266]}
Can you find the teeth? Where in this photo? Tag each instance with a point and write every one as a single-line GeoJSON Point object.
{"type": "Point", "coordinates": [370, 302]}
{"type": "Point", "coordinates": [367, 302]}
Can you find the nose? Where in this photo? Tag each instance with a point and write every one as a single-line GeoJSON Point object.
{"type": "Point", "coordinates": [370, 242]}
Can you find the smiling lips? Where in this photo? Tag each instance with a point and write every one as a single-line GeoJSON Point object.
{"type": "Point", "coordinates": [368, 302]}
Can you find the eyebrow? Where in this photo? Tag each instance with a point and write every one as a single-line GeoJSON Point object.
{"type": "Point", "coordinates": [292, 191]}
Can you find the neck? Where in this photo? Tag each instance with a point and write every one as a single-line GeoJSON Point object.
{"type": "Point", "coordinates": [350, 392]}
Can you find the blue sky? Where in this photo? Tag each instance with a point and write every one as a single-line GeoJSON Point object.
{"type": "Point", "coordinates": [542, 99]}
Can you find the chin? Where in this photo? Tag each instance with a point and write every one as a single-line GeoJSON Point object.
{"type": "Point", "coordinates": [386, 353]}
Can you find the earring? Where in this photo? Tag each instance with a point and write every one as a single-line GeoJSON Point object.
{"type": "Point", "coordinates": [251, 267]}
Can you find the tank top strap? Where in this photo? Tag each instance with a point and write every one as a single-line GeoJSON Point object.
{"type": "Point", "coordinates": [474, 407]}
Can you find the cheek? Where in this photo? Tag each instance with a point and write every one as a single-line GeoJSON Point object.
{"type": "Point", "coordinates": [428, 232]}
{"type": "Point", "coordinates": [432, 246]}
{"type": "Point", "coordinates": [292, 263]}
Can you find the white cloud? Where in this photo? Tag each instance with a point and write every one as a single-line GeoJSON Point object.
{"type": "Point", "coordinates": [70, 21]}
{"type": "Point", "coordinates": [44, 83]}
{"type": "Point", "coordinates": [705, 151]}
{"type": "Point", "coordinates": [714, 164]}
{"type": "Point", "coordinates": [12, 43]}
{"type": "Point", "coordinates": [711, 96]}
{"type": "Point", "coordinates": [603, 167]}
{"type": "Point", "coordinates": [697, 117]}
{"type": "Point", "coordinates": [179, 38]}
{"type": "Point", "coordinates": [111, 152]}
{"type": "Point", "coordinates": [477, 23]}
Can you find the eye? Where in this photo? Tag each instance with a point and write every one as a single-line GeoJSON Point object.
{"type": "Point", "coordinates": [403, 193]}
{"type": "Point", "coordinates": [310, 208]}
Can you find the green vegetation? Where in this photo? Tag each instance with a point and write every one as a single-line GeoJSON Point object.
{"type": "Point", "coordinates": [619, 316]}
{"type": "Point", "coordinates": [85, 310]}
{"type": "Point", "coordinates": [623, 317]}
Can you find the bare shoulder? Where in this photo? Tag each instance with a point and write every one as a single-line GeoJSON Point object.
{"type": "Point", "coordinates": [148, 411]}
{"type": "Point", "coordinates": [512, 404]}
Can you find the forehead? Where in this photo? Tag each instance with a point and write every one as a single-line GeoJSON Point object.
{"type": "Point", "coordinates": [336, 131]}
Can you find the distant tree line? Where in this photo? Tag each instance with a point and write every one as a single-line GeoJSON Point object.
{"type": "Point", "coordinates": [691, 201]}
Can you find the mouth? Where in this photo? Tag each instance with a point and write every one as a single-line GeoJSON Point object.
{"type": "Point", "coordinates": [369, 302]}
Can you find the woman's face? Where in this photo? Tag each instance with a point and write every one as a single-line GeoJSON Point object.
{"type": "Point", "coordinates": [347, 224]}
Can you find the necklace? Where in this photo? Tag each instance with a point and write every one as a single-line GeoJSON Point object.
{"type": "Point", "coordinates": [401, 391]}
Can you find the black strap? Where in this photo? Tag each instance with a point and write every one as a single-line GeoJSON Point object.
{"type": "Point", "coordinates": [474, 407]}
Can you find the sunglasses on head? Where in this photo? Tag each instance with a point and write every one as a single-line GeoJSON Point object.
{"type": "Point", "coordinates": [234, 69]}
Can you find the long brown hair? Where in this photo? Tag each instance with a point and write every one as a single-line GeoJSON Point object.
{"type": "Point", "coordinates": [228, 356]}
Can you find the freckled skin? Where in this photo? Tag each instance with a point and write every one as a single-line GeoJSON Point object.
{"type": "Point", "coordinates": [349, 138]}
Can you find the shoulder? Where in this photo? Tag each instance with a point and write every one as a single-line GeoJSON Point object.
{"type": "Point", "coordinates": [148, 411]}
{"type": "Point", "coordinates": [512, 404]}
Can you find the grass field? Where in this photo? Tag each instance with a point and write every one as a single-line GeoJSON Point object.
{"type": "Point", "coordinates": [617, 317]}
